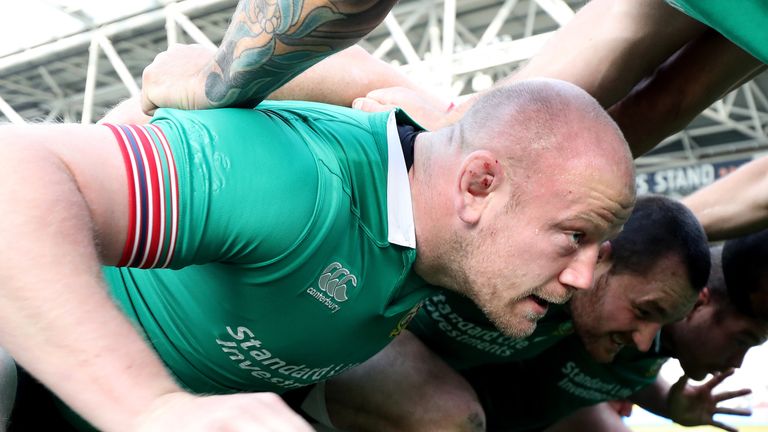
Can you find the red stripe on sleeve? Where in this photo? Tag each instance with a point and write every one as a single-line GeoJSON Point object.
{"type": "Point", "coordinates": [131, 233]}
{"type": "Point", "coordinates": [152, 248]}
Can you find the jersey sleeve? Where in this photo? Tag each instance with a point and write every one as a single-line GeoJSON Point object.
{"type": "Point", "coordinates": [743, 25]}
{"type": "Point", "coordinates": [229, 185]}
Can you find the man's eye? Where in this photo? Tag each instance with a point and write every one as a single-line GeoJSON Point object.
{"type": "Point", "coordinates": [577, 237]}
{"type": "Point", "coordinates": [642, 313]}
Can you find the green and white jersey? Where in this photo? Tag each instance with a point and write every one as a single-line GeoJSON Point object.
{"type": "Point", "coordinates": [744, 22]}
{"type": "Point", "coordinates": [287, 236]}
{"type": "Point", "coordinates": [460, 333]}
{"type": "Point", "coordinates": [533, 394]}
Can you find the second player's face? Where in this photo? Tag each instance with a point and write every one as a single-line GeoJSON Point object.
{"type": "Point", "coordinates": [713, 340]}
{"type": "Point", "coordinates": [544, 246]}
{"type": "Point", "coordinates": [629, 309]}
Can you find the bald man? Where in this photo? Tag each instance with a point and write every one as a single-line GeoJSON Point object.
{"type": "Point", "coordinates": [288, 214]}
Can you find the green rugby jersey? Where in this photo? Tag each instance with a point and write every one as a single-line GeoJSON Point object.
{"type": "Point", "coordinates": [287, 233]}
{"type": "Point", "coordinates": [533, 394]}
{"type": "Point", "coordinates": [457, 330]}
{"type": "Point", "coordinates": [744, 22]}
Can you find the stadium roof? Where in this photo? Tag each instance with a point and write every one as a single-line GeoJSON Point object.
{"type": "Point", "coordinates": [31, 23]}
{"type": "Point", "coordinates": [53, 68]}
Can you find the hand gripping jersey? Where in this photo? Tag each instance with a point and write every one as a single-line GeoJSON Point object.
{"type": "Point", "coordinates": [533, 394]}
{"type": "Point", "coordinates": [288, 238]}
{"type": "Point", "coordinates": [744, 22]}
{"type": "Point", "coordinates": [453, 327]}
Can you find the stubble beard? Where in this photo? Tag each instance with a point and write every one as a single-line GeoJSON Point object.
{"type": "Point", "coordinates": [508, 317]}
{"type": "Point", "coordinates": [517, 327]}
{"type": "Point", "coordinates": [509, 321]}
{"type": "Point", "coordinates": [582, 313]}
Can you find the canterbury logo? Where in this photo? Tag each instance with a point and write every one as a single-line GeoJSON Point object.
{"type": "Point", "coordinates": [334, 281]}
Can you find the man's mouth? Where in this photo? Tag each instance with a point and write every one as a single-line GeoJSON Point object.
{"type": "Point", "coordinates": [541, 305]}
{"type": "Point", "coordinates": [540, 301]}
{"type": "Point", "coordinates": [553, 297]}
{"type": "Point", "coordinates": [617, 341]}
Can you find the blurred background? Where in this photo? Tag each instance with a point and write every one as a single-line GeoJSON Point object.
{"type": "Point", "coordinates": [72, 60]}
{"type": "Point", "coordinates": [753, 374]}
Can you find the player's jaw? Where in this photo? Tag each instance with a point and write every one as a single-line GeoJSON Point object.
{"type": "Point", "coordinates": [607, 346]}
{"type": "Point", "coordinates": [541, 298]}
{"type": "Point", "coordinates": [523, 313]}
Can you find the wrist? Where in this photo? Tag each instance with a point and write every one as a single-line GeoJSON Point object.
{"type": "Point", "coordinates": [161, 407]}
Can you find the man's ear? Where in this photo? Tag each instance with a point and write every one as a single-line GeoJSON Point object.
{"type": "Point", "coordinates": [480, 174]}
{"type": "Point", "coordinates": [604, 254]}
{"type": "Point", "coordinates": [705, 298]}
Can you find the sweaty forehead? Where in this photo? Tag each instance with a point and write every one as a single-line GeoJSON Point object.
{"type": "Point", "coordinates": [737, 325]}
{"type": "Point", "coordinates": [669, 296]}
{"type": "Point", "coordinates": [756, 330]}
{"type": "Point", "coordinates": [603, 206]}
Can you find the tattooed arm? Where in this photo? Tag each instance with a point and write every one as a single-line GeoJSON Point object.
{"type": "Point", "coordinates": [377, 84]}
{"type": "Point", "coordinates": [268, 43]}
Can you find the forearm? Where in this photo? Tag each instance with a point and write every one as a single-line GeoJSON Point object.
{"type": "Point", "coordinates": [342, 78]}
{"type": "Point", "coordinates": [680, 89]}
{"type": "Point", "coordinates": [57, 318]}
{"type": "Point", "coordinates": [654, 398]}
{"type": "Point", "coordinates": [597, 418]}
{"type": "Point", "coordinates": [608, 47]}
{"type": "Point", "coordinates": [263, 49]}
{"type": "Point", "coordinates": [734, 205]}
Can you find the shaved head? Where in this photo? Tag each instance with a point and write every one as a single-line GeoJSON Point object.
{"type": "Point", "coordinates": [544, 123]}
{"type": "Point", "coordinates": [512, 203]}
{"type": "Point", "coordinates": [536, 113]}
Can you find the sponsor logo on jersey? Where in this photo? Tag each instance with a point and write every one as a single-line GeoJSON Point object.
{"type": "Point", "coordinates": [403, 323]}
{"type": "Point", "coordinates": [564, 329]}
{"type": "Point", "coordinates": [332, 286]}
{"type": "Point", "coordinates": [251, 354]}
{"type": "Point", "coordinates": [654, 369]}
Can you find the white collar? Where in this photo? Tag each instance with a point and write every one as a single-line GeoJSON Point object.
{"type": "Point", "coordinates": [399, 206]}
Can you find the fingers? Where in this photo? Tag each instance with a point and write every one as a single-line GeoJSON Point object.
{"type": "Point", "coordinates": [147, 106]}
{"type": "Point", "coordinates": [266, 412]}
{"type": "Point", "coordinates": [723, 426]}
{"type": "Point", "coordinates": [246, 412]}
{"type": "Point", "coordinates": [407, 97]}
{"type": "Point", "coordinates": [370, 105]}
{"type": "Point", "coordinates": [389, 95]}
{"type": "Point", "coordinates": [718, 378]}
{"type": "Point", "coordinates": [274, 416]}
{"type": "Point", "coordinates": [176, 78]}
{"type": "Point", "coordinates": [734, 411]}
{"type": "Point", "coordinates": [148, 75]}
{"type": "Point", "coordinates": [731, 394]}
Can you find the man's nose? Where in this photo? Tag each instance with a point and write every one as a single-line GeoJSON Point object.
{"type": "Point", "coordinates": [737, 359]}
{"type": "Point", "coordinates": [643, 337]}
{"type": "Point", "coordinates": [580, 273]}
